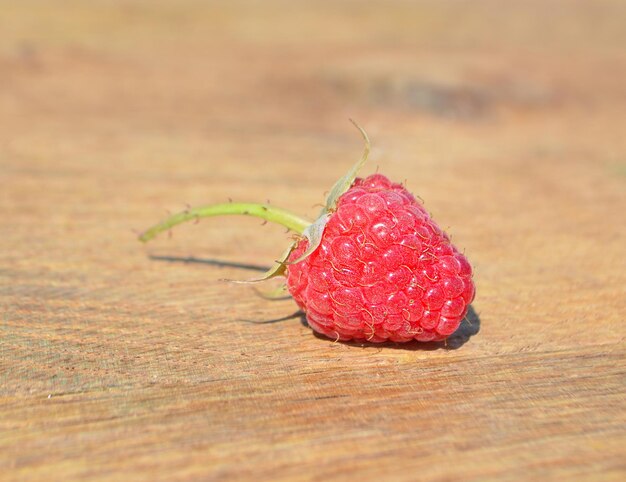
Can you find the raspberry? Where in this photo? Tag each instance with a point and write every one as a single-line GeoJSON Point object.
{"type": "Point", "coordinates": [374, 266]}
{"type": "Point", "coordinates": [383, 271]}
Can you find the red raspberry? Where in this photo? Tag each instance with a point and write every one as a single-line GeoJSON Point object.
{"type": "Point", "coordinates": [373, 266]}
{"type": "Point", "coordinates": [383, 271]}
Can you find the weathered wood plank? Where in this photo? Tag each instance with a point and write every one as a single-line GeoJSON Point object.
{"type": "Point", "coordinates": [119, 361]}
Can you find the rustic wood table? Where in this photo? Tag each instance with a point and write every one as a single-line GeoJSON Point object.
{"type": "Point", "coordinates": [120, 361]}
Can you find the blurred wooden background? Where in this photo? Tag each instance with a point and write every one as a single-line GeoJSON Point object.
{"type": "Point", "coordinates": [125, 362]}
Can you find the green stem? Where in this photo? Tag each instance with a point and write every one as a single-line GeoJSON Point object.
{"type": "Point", "coordinates": [263, 211]}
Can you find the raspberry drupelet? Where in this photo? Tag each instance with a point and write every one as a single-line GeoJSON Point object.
{"type": "Point", "coordinates": [372, 267]}
{"type": "Point", "coordinates": [383, 271]}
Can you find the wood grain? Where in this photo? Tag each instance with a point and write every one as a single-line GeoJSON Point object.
{"type": "Point", "coordinates": [124, 362]}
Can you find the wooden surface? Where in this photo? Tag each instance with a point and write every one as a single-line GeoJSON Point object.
{"type": "Point", "coordinates": [125, 362]}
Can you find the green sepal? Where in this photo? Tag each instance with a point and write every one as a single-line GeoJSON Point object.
{"type": "Point", "coordinates": [313, 233]}
{"type": "Point", "coordinates": [278, 268]}
{"type": "Point", "coordinates": [344, 183]}
{"type": "Point", "coordinates": [278, 293]}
